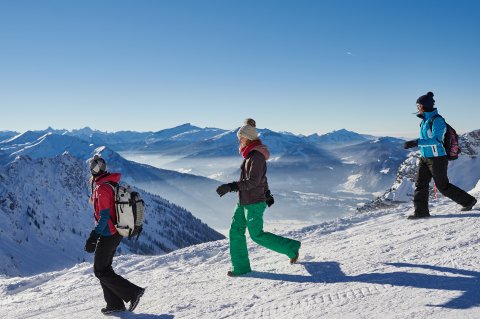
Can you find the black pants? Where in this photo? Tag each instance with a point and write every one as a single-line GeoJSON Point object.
{"type": "Point", "coordinates": [436, 167]}
{"type": "Point", "coordinates": [116, 289]}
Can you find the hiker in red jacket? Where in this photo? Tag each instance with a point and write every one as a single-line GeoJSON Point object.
{"type": "Point", "coordinates": [104, 240]}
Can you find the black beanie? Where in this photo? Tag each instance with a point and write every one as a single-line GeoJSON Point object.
{"type": "Point", "coordinates": [427, 101]}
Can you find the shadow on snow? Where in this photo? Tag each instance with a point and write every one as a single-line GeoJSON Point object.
{"type": "Point", "coordinates": [465, 281]}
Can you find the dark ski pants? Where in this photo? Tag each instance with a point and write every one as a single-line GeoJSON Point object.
{"type": "Point", "coordinates": [437, 168]}
{"type": "Point", "coordinates": [116, 289]}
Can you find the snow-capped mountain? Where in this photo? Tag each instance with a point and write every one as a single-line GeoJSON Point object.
{"type": "Point", "coordinates": [38, 145]}
{"type": "Point", "coordinates": [195, 193]}
{"type": "Point", "coordinates": [374, 164]}
{"type": "Point", "coordinates": [45, 217]}
{"type": "Point", "coordinates": [180, 136]}
{"type": "Point", "coordinates": [172, 140]}
{"type": "Point", "coordinates": [23, 138]}
{"type": "Point", "coordinates": [309, 182]}
{"type": "Point", "coordinates": [337, 139]}
{"type": "Point", "coordinates": [122, 140]}
{"type": "Point", "coordinates": [374, 265]}
{"type": "Point", "coordinates": [5, 135]}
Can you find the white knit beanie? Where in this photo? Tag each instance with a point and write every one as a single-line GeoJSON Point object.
{"type": "Point", "coordinates": [248, 130]}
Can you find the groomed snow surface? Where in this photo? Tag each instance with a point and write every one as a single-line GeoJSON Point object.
{"type": "Point", "coordinates": [374, 265]}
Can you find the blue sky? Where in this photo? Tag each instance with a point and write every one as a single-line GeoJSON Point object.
{"type": "Point", "coordinates": [300, 66]}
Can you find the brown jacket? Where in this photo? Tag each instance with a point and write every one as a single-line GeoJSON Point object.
{"type": "Point", "coordinates": [253, 184]}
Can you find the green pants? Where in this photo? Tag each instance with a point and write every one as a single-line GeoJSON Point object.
{"type": "Point", "coordinates": [251, 216]}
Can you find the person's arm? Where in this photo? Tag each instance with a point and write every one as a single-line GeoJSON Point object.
{"type": "Point", "coordinates": [104, 195]}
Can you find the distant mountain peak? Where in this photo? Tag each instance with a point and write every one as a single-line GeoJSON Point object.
{"type": "Point", "coordinates": [341, 136]}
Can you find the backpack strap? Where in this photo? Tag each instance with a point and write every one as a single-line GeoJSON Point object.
{"type": "Point", "coordinates": [432, 119]}
{"type": "Point", "coordinates": [112, 185]}
{"type": "Point", "coordinates": [430, 123]}
{"type": "Point", "coordinates": [114, 189]}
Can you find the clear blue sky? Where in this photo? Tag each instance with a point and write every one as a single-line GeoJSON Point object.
{"type": "Point", "coordinates": [299, 66]}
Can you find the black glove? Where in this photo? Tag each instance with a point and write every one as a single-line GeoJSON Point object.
{"type": "Point", "coordinates": [410, 144]}
{"type": "Point", "coordinates": [91, 243]}
{"type": "Point", "coordinates": [269, 199]}
{"type": "Point", "coordinates": [226, 188]}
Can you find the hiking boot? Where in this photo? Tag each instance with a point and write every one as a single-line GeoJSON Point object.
{"type": "Point", "coordinates": [418, 216]}
{"type": "Point", "coordinates": [109, 310]}
{"type": "Point", "coordinates": [136, 299]}
{"type": "Point", "coordinates": [230, 273]}
{"type": "Point", "coordinates": [294, 259]}
{"type": "Point", "coordinates": [470, 206]}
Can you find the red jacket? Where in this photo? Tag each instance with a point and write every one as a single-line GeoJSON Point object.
{"type": "Point", "coordinates": [103, 198]}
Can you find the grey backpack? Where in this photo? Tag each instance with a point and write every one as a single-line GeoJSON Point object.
{"type": "Point", "coordinates": [130, 210]}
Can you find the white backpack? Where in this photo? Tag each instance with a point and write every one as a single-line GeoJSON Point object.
{"type": "Point", "coordinates": [130, 209]}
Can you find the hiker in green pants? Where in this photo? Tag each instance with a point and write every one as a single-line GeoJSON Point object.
{"type": "Point", "coordinates": [254, 197]}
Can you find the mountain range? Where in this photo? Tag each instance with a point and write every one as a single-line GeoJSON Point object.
{"type": "Point", "coordinates": [313, 177]}
{"type": "Point", "coordinates": [45, 217]}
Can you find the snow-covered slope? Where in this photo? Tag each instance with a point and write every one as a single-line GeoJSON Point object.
{"type": "Point", "coordinates": [45, 217]}
{"type": "Point", "coordinates": [373, 265]}
{"type": "Point", "coordinates": [51, 144]}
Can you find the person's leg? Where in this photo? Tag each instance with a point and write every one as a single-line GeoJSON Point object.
{"type": "Point", "coordinates": [439, 169]}
{"type": "Point", "coordinates": [238, 242]}
{"type": "Point", "coordinates": [422, 184]}
{"type": "Point", "coordinates": [116, 289]}
{"type": "Point", "coordinates": [102, 264]}
{"type": "Point", "coordinates": [282, 245]}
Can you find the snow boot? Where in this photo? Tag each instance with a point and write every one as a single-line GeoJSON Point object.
{"type": "Point", "coordinates": [418, 216]}
{"type": "Point", "coordinates": [136, 299]}
{"type": "Point", "coordinates": [294, 259]}
{"type": "Point", "coordinates": [111, 310]}
{"type": "Point", "coordinates": [470, 206]}
{"type": "Point", "coordinates": [230, 273]}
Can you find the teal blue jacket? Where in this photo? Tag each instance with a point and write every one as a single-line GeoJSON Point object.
{"type": "Point", "coordinates": [432, 133]}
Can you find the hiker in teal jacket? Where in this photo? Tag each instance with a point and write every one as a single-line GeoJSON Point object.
{"type": "Point", "coordinates": [434, 161]}
{"type": "Point", "coordinates": [254, 197]}
{"type": "Point", "coordinates": [432, 133]}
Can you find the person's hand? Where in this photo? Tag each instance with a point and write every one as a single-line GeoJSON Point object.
{"type": "Point", "coordinates": [270, 200]}
{"type": "Point", "coordinates": [226, 188]}
{"type": "Point", "coordinates": [91, 243]}
{"type": "Point", "coordinates": [410, 144]}
{"type": "Point", "coordinates": [223, 189]}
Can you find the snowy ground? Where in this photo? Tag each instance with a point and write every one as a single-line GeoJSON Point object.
{"type": "Point", "coordinates": [377, 265]}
